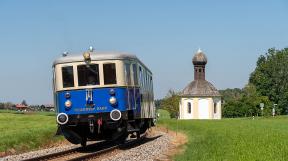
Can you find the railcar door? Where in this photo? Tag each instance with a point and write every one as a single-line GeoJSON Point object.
{"type": "Point", "coordinates": [135, 85]}
{"type": "Point", "coordinates": [54, 90]}
{"type": "Point", "coordinates": [131, 83]}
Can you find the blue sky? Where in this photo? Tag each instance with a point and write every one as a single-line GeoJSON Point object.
{"type": "Point", "coordinates": [163, 34]}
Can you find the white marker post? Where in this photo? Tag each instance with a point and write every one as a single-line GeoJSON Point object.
{"type": "Point", "coordinates": [273, 110]}
{"type": "Point", "coordinates": [262, 108]}
{"type": "Point", "coordinates": [177, 118]}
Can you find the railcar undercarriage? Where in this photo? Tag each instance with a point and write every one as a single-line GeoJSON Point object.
{"type": "Point", "coordinates": [104, 130]}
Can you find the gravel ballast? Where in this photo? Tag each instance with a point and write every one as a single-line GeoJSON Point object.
{"type": "Point", "coordinates": [149, 151]}
{"type": "Point", "coordinates": [38, 153]}
{"type": "Point", "coordinates": [155, 147]}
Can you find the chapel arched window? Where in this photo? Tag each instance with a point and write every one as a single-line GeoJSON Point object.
{"type": "Point", "coordinates": [215, 107]}
{"type": "Point", "coordinates": [189, 107]}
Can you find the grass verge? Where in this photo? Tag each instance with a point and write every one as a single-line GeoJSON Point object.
{"type": "Point", "coordinates": [233, 139]}
{"type": "Point", "coordinates": [24, 132]}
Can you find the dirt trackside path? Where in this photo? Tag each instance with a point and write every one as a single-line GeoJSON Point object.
{"type": "Point", "coordinates": [178, 140]}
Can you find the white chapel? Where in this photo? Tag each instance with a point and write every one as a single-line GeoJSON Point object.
{"type": "Point", "coordinates": [200, 99]}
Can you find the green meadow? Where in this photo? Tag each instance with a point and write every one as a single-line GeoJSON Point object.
{"type": "Point", "coordinates": [21, 132]}
{"type": "Point", "coordinates": [232, 139]}
{"type": "Point", "coordinates": [226, 139]}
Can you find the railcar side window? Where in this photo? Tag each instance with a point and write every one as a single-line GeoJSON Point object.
{"type": "Point", "coordinates": [135, 75]}
{"type": "Point", "coordinates": [67, 77]}
{"type": "Point", "coordinates": [128, 74]}
{"type": "Point", "coordinates": [140, 76]}
{"type": "Point", "coordinates": [109, 73]}
{"type": "Point", "coordinates": [88, 75]}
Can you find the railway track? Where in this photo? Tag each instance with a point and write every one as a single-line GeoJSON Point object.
{"type": "Point", "coordinates": [90, 151]}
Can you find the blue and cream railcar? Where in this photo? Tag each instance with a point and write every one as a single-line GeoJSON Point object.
{"type": "Point", "coordinates": [102, 95]}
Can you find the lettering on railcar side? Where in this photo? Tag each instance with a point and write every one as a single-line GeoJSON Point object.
{"type": "Point", "coordinates": [101, 108]}
{"type": "Point", "coordinates": [90, 109]}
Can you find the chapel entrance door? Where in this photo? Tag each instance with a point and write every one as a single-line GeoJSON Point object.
{"type": "Point", "coordinates": [203, 108]}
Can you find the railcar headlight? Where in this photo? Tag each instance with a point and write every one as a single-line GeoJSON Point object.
{"type": "Point", "coordinates": [113, 101]}
{"type": "Point", "coordinates": [86, 56]}
{"type": "Point", "coordinates": [68, 103]}
{"type": "Point", "coordinates": [112, 92]}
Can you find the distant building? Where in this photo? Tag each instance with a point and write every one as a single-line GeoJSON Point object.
{"type": "Point", "coordinates": [200, 99]}
{"type": "Point", "coordinates": [21, 107]}
{"type": "Point", "coordinates": [48, 107]}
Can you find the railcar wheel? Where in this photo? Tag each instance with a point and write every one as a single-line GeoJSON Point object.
{"type": "Point", "coordinates": [71, 135]}
{"type": "Point", "coordinates": [122, 138]}
{"type": "Point", "coordinates": [138, 135]}
{"type": "Point", "coordinates": [84, 142]}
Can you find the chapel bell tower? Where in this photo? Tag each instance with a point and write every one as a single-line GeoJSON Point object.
{"type": "Point", "coordinates": [199, 61]}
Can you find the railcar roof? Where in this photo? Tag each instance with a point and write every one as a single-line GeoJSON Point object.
{"type": "Point", "coordinates": [96, 56]}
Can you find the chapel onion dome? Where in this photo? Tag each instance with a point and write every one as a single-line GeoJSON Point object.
{"type": "Point", "coordinates": [199, 58]}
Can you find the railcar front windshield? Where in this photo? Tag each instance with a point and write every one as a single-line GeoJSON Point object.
{"type": "Point", "coordinates": [109, 71]}
{"type": "Point", "coordinates": [92, 74]}
{"type": "Point", "coordinates": [88, 74]}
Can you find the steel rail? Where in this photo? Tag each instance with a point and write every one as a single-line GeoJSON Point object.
{"type": "Point", "coordinates": [96, 154]}
{"type": "Point", "coordinates": [101, 148]}
{"type": "Point", "coordinates": [63, 153]}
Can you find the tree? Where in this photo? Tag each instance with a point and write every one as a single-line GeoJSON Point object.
{"type": "Point", "coordinates": [8, 105]}
{"type": "Point", "coordinates": [24, 103]}
{"type": "Point", "coordinates": [231, 94]}
{"type": "Point", "coordinates": [42, 107]}
{"type": "Point", "coordinates": [158, 103]}
{"type": "Point", "coordinates": [252, 99]}
{"type": "Point", "coordinates": [232, 106]}
{"type": "Point", "coordinates": [1, 105]}
{"type": "Point", "coordinates": [233, 109]}
{"type": "Point", "coordinates": [244, 102]}
{"type": "Point", "coordinates": [271, 77]}
{"type": "Point", "coordinates": [171, 103]}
